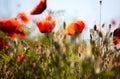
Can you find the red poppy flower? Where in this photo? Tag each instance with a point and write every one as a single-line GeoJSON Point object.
{"type": "Point", "coordinates": [12, 35]}
{"type": "Point", "coordinates": [81, 25]}
{"type": "Point", "coordinates": [21, 58]}
{"type": "Point", "coordinates": [52, 21]}
{"type": "Point", "coordinates": [72, 29]}
{"type": "Point", "coordinates": [49, 17]}
{"type": "Point", "coordinates": [39, 8]}
{"type": "Point", "coordinates": [3, 45]}
{"type": "Point", "coordinates": [46, 25]}
{"type": "Point", "coordinates": [116, 42]}
{"type": "Point", "coordinates": [24, 17]}
{"type": "Point", "coordinates": [116, 36]}
{"type": "Point", "coordinates": [22, 33]}
{"type": "Point", "coordinates": [75, 27]}
{"type": "Point", "coordinates": [11, 27]}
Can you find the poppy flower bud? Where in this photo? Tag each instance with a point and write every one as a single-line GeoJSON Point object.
{"type": "Point", "coordinates": [64, 25]}
{"type": "Point", "coordinates": [21, 58]}
{"type": "Point", "coordinates": [109, 26]}
{"type": "Point", "coordinates": [100, 34]}
{"type": "Point", "coordinates": [24, 17]}
{"type": "Point", "coordinates": [103, 25]}
{"type": "Point", "coordinates": [95, 27]}
{"type": "Point", "coordinates": [11, 27]}
{"type": "Point", "coordinates": [100, 2]}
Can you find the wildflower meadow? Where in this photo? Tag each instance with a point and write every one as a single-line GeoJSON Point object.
{"type": "Point", "coordinates": [61, 54]}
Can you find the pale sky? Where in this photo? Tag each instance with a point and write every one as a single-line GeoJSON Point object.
{"type": "Point", "coordinates": [86, 10]}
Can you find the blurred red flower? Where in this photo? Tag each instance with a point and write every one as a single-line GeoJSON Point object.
{"type": "Point", "coordinates": [21, 58]}
{"type": "Point", "coordinates": [75, 27]}
{"type": "Point", "coordinates": [39, 8]}
{"type": "Point", "coordinates": [24, 17]}
{"type": "Point", "coordinates": [3, 45]}
{"type": "Point", "coordinates": [72, 29]}
{"type": "Point", "coordinates": [116, 42]}
{"type": "Point", "coordinates": [46, 25]}
{"type": "Point", "coordinates": [12, 35]}
{"type": "Point", "coordinates": [81, 25]}
{"type": "Point", "coordinates": [114, 22]}
{"type": "Point", "coordinates": [116, 36]}
{"type": "Point", "coordinates": [115, 64]}
{"type": "Point", "coordinates": [22, 33]}
{"type": "Point", "coordinates": [11, 27]}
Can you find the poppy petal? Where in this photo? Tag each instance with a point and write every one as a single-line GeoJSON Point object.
{"type": "Point", "coordinates": [81, 25]}
{"type": "Point", "coordinates": [21, 58]}
{"type": "Point", "coordinates": [46, 25]}
{"type": "Point", "coordinates": [9, 25]}
{"type": "Point", "coordinates": [117, 42]}
{"type": "Point", "coordinates": [116, 33]}
{"type": "Point", "coordinates": [41, 26]}
{"type": "Point", "coordinates": [24, 17]}
{"type": "Point", "coordinates": [12, 35]}
{"type": "Point", "coordinates": [51, 21]}
{"type": "Point", "coordinates": [22, 35]}
{"type": "Point", "coordinates": [72, 29]}
{"type": "Point", "coordinates": [116, 36]}
{"type": "Point", "coordinates": [38, 9]}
